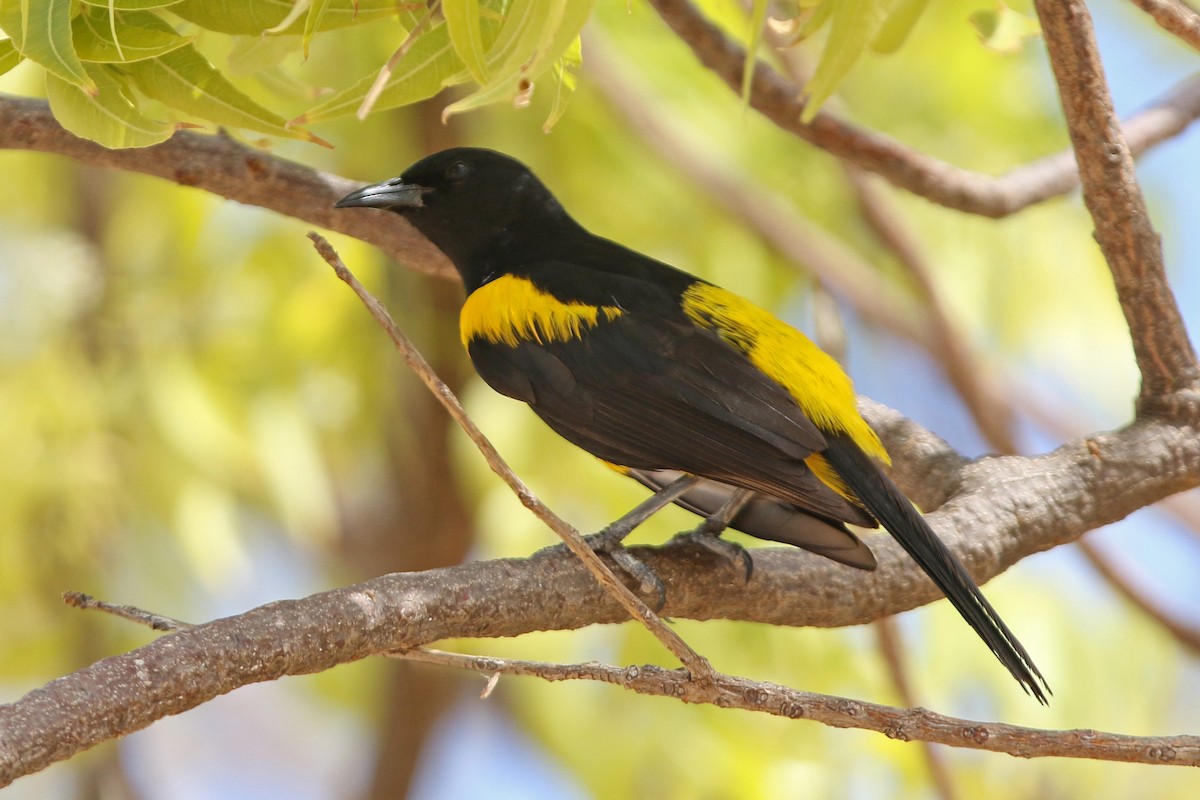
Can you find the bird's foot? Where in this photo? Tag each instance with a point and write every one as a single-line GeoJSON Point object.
{"type": "Point", "coordinates": [708, 536]}
{"type": "Point", "coordinates": [609, 542]}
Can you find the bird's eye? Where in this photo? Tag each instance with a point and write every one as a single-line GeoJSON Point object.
{"type": "Point", "coordinates": [457, 171]}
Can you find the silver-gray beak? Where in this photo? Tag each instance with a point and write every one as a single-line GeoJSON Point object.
{"type": "Point", "coordinates": [393, 194]}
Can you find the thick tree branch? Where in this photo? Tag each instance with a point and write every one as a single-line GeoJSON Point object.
{"type": "Point", "coordinates": [1008, 508]}
{"type": "Point", "coordinates": [778, 100]}
{"type": "Point", "coordinates": [548, 591]}
{"type": "Point", "coordinates": [1130, 244]}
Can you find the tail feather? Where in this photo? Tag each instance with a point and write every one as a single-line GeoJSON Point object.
{"type": "Point", "coordinates": [896, 513]}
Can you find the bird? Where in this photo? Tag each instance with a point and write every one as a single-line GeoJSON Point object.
{"type": "Point", "coordinates": [703, 396]}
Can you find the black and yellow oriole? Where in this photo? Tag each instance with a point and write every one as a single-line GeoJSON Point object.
{"type": "Point", "coordinates": [664, 374]}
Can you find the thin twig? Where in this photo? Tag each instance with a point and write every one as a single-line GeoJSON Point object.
{"type": "Point", "coordinates": [838, 712]}
{"type": "Point", "coordinates": [157, 622]}
{"type": "Point", "coordinates": [696, 664]}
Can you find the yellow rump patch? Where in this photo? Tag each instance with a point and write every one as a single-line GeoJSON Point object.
{"type": "Point", "coordinates": [819, 385]}
{"type": "Point", "coordinates": [510, 310]}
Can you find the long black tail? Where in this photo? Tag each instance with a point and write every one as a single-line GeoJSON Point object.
{"type": "Point", "coordinates": [896, 513]}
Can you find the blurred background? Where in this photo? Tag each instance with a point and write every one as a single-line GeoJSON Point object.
{"type": "Point", "coordinates": [196, 417]}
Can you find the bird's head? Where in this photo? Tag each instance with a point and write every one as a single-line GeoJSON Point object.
{"type": "Point", "coordinates": [476, 205]}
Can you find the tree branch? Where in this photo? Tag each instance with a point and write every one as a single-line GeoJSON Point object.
{"type": "Point", "coordinates": [1008, 508]}
{"type": "Point", "coordinates": [839, 712]}
{"type": "Point", "coordinates": [230, 169]}
{"type": "Point", "coordinates": [778, 100]}
{"type": "Point", "coordinates": [1131, 247]}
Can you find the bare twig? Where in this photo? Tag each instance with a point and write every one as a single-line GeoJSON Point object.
{"type": "Point", "coordinates": [151, 620]}
{"type": "Point", "coordinates": [696, 664]}
{"type": "Point", "coordinates": [1174, 16]}
{"type": "Point", "coordinates": [1130, 245]}
{"type": "Point", "coordinates": [777, 99]}
{"type": "Point", "coordinates": [838, 712]}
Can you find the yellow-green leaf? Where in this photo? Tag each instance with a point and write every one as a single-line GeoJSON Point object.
{"type": "Point", "coordinates": [253, 17]}
{"type": "Point", "coordinates": [299, 8]}
{"type": "Point", "coordinates": [41, 30]}
{"type": "Point", "coordinates": [466, 34]}
{"type": "Point", "coordinates": [184, 80]}
{"type": "Point", "coordinates": [428, 66]}
{"type": "Point", "coordinates": [108, 117]}
{"type": "Point", "coordinates": [898, 25]}
{"type": "Point", "coordinates": [312, 22]}
{"type": "Point", "coordinates": [535, 34]}
{"type": "Point", "coordinates": [9, 56]}
{"type": "Point", "coordinates": [852, 27]}
{"type": "Point", "coordinates": [141, 35]}
{"type": "Point", "coordinates": [814, 18]}
{"type": "Point", "coordinates": [758, 20]}
{"type": "Point", "coordinates": [566, 78]}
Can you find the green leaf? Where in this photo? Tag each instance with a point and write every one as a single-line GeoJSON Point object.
{"type": "Point", "coordinates": [141, 35]}
{"type": "Point", "coordinates": [253, 17]}
{"type": "Point", "coordinates": [815, 19]}
{"type": "Point", "coordinates": [184, 80]}
{"type": "Point", "coordinates": [466, 34]}
{"type": "Point", "coordinates": [852, 27]}
{"type": "Point", "coordinates": [566, 78]}
{"type": "Point", "coordinates": [41, 30]}
{"type": "Point", "coordinates": [535, 34]}
{"type": "Point", "coordinates": [420, 74]}
{"type": "Point", "coordinates": [108, 117]}
{"type": "Point", "coordinates": [299, 8]}
{"type": "Point", "coordinates": [312, 22]}
{"type": "Point", "coordinates": [898, 26]}
{"type": "Point", "coordinates": [9, 56]}
{"type": "Point", "coordinates": [129, 5]}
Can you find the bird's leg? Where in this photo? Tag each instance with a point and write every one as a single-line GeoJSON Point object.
{"type": "Point", "coordinates": [708, 533]}
{"type": "Point", "coordinates": [610, 538]}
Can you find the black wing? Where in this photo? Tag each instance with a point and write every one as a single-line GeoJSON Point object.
{"type": "Point", "coordinates": [653, 393]}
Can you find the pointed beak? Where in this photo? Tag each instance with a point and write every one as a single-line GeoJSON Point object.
{"type": "Point", "coordinates": [393, 194]}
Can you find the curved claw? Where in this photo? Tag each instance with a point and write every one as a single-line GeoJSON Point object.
{"type": "Point", "coordinates": [722, 548]}
{"type": "Point", "coordinates": [648, 583]}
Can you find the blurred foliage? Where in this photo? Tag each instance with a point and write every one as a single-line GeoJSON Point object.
{"type": "Point", "coordinates": [196, 417]}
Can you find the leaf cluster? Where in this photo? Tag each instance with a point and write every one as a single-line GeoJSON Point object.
{"type": "Point", "coordinates": [129, 73]}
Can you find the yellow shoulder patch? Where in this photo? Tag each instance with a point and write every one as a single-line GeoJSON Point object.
{"type": "Point", "coordinates": [510, 310]}
{"type": "Point", "coordinates": [819, 385]}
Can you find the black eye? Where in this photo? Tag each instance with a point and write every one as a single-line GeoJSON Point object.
{"type": "Point", "coordinates": [457, 171]}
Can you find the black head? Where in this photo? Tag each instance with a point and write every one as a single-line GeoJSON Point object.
{"type": "Point", "coordinates": [478, 206]}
